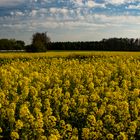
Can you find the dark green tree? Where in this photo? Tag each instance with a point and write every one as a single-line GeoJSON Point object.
{"type": "Point", "coordinates": [20, 45]}
{"type": "Point", "coordinates": [40, 42]}
{"type": "Point", "coordinates": [11, 44]}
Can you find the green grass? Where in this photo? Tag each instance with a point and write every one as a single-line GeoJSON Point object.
{"type": "Point", "coordinates": [66, 53]}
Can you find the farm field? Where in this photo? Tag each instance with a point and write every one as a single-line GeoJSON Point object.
{"type": "Point", "coordinates": [70, 96]}
{"type": "Point", "coordinates": [66, 53]}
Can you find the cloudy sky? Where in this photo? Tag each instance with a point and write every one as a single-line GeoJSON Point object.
{"type": "Point", "coordinates": [70, 20]}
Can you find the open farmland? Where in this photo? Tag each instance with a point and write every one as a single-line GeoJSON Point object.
{"type": "Point", "coordinates": [66, 53]}
{"type": "Point", "coordinates": [80, 96]}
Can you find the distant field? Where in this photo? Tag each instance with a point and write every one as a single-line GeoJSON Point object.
{"type": "Point", "coordinates": [67, 53]}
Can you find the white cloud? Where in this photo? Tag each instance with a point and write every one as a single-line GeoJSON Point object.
{"type": "Point", "coordinates": [96, 21]}
{"type": "Point", "coordinates": [118, 20]}
{"type": "Point", "coordinates": [88, 3]}
{"type": "Point", "coordinates": [119, 2]}
{"type": "Point", "coordinates": [33, 13]}
{"type": "Point", "coordinates": [92, 4]}
{"type": "Point", "coordinates": [55, 10]}
{"type": "Point", "coordinates": [5, 3]}
{"type": "Point", "coordinates": [116, 2]}
{"type": "Point", "coordinates": [68, 25]}
{"type": "Point", "coordinates": [134, 7]}
{"type": "Point", "coordinates": [18, 13]}
{"type": "Point", "coordinates": [14, 26]}
{"type": "Point", "coordinates": [78, 3]}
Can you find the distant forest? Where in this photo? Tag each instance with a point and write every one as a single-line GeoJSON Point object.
{"type": "Point", "coordinates": [111, 44]}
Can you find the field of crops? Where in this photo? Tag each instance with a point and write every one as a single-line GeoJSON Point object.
{"type": "Point", "coordinates": [66, 53]}
{"type": "Point", "coordinates": [95, 97]}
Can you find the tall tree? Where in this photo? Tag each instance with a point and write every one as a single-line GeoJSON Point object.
{"type": "Point", "coordinates": [40, 41]}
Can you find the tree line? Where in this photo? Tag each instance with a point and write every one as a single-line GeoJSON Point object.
{"type": "Point", "coordinates": [41, 42]}
{"type": "Point", "coordinates": [12, 44]}
{"type": "Point", "coordinates": [111, 44]}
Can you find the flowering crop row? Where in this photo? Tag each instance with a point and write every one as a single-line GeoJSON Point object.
{"type": "Point", "coordinates": [69, 98]}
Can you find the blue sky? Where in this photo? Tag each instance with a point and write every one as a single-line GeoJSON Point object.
{"type": "Point", "coordinates": [70, 20]}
